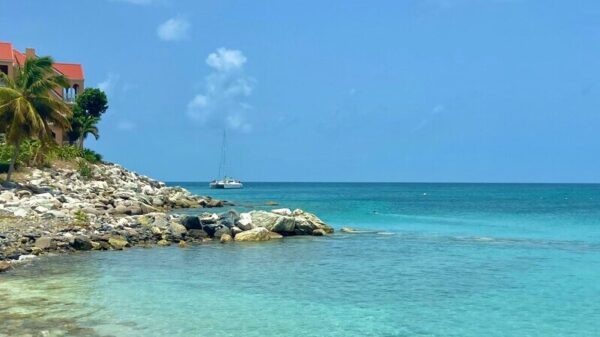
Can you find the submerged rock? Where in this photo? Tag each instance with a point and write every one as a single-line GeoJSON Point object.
{"type": "Point", "coordinates": [225, 238]}
{"type": "Point", "coordinates": [4, 266]}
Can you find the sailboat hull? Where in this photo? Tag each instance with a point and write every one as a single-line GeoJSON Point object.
{"type": "Point", "coordinates": [226, 184]}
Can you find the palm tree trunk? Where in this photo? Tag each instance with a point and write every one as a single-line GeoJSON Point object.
{"type": "Point", "coordinates": [13, 160]}
{"type": "Point", "coordinates": [81, 142]}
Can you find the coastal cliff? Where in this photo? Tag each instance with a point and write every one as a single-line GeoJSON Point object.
{"type": "Point", "coordinates": [111, 208]}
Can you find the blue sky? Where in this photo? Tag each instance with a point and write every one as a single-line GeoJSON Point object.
{"type": "Point", "coordinates": [413, 90]}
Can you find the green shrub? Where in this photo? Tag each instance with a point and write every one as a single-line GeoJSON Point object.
{"type": "Point", "coordinates": [92, 156]}
{"type": "Point", "coordinates": [4, 167]}
{"type": "Point", "coordinates": [81, 219]}
{"type": "Point", "coordinates": [84, 169]}
{"type": "Point", "coordinates": [65, 152]}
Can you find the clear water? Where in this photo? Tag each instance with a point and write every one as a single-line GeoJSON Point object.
{"type": "Point", "coordinates": [444, 260]}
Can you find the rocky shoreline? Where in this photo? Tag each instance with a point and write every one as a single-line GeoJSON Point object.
{"type": "Point", "coordinates": [60, 211]}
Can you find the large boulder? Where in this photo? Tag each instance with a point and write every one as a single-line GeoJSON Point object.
{"type": "Point", "coordinates": [245, 222]}
{"type": "Point", "coordinates": [177, 230]}
{"type": "Point", "coordinates": [4, 266]}
{"type": "Point", "coordinates": [255, 234]}
{"type": "Point", "coordinates": [45, 243]}
{"type": "Point", "coordinates": [191, 222]}
{"type": "Point", "coordinates": [81, 243]}
{"type": "Point", "coordinates": [197, 234]}
{"type": "Point", "coordinates": [118, 242]}
{"type": "Point", "coordinates": [264, 219]}
{"type": "Point", "coordinates": [284, 224]}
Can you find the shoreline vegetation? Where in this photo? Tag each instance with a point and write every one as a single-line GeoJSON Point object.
{"type": "Point", "coordinates": [60, 210]}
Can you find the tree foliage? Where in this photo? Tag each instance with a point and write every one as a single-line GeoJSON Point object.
{"type": "Point", "coordinates": [27, 105]}
{"type": "Point", "coordinates": [92, 101]}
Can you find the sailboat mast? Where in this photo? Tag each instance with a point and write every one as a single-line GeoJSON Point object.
{"type": "Point", "coordinates": [222, 161]}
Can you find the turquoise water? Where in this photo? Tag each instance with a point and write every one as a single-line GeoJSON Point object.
{"type": "Point", "coordinates": [447, 260]}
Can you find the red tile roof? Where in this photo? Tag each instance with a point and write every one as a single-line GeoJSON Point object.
{"type": "Point", "coordinates": [20, 57]}
{"type": "Point", "coordinates": [6, 51]}
{"type": "Point", "coordinates": [70, 70]}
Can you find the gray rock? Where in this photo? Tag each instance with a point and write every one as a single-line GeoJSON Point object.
{"type": "Point", "coordinates": [263, 219]}
{"type": "Point", "coordinates": [191, 222]}
{"type": "Point", "coordinates": [284, 224]}
{"type": "Point", "coordinates": [221, 230]}
{"type": "Point", "coordinates": [45, 243]}
{"type": "Point", "coordinates": [4, 266]}
{"type": "Point", "coordinates": [318, 232]}
{"type": "Point", "coordinates": [81, 243]}
{"type": "Point", "coordinates": [255, 234]}
{"type": "Point", "coordinates": [197, 234]}
{"type": "Point", "coordinates": [245, 222]}
{"type": "Point", "coordinates": [225, 238]}
{"type": "Point", "coordinates": [177, 230]}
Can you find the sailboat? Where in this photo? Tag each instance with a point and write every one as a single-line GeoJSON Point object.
{"type": "Point", "coordinates": [226, 182]}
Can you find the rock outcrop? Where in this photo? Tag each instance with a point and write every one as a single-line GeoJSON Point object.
{"type": "Point", "coordinates": [110, 191]}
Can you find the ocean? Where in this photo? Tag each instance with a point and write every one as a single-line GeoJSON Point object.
{"type": "Point", "coordinates": [436, 260]}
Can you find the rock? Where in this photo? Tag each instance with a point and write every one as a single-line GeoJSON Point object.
{"type": "Point", "coordinates": [191, 222]}
{"type": "Point", "coordinates": [4, 266]}
{"type": "Point", "coordinates": [208, 218]}
{"type": "Point", "coordinates": [271, 203]}
{"type": "Point", "coordinates": [96, 245]}
{"type": "Point", "coordinates": [263, 219]}
{"type": "Point", "coordinates": [45, 243]}
{"type": "Point", "coordinates": [304, 228]}
{"type": "Point", "coordinates": [274, 235]}
{"type": "Point", "coordinates": [177, 230]}
{"type": "Point", "coordinates": [347, 230]}
{"type": "Point", "coordinates": [282, 211]}
{"type": "Point", "coordinates": [118, 242]}
{"type": "Point", "coordinates": [197, 234]}
{"type": "Point", "coordinates": [158, 202]}
{"type": "Point", "coordinates": [225, 238]}
{"type": "Point", "coordinates": [255, 234]}
{"type": "Point", "coordinates": [284, 224]}
{"type": "Point", "coordinates": [6, 196]}
{"type": "Point", "coordinates": [245, 222]}
{"type": "Point", "coordinates": [164, 243]}
{"type": "Point", "coordinates": [221, 230]}
{"type": "Point", "coordinates": [214, 203]}
{"type": "Point", "coordinates": [235, 230]}
{"type": "Point", "coordinates": [81, 243]}
{"type": "Point", "coordinates": [318, 232]}
{"type": "Point", "coordinates": [182, 244]}
{"type": "Point", "coordinates": [19, 212]}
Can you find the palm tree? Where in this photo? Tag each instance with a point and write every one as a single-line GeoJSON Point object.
{"type": "Point", "coordinates": [86, 124]}
{"type": "Point", "coordinates": [27, 105]}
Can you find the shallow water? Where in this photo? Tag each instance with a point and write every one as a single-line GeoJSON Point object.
{"type": "Point", "coordinates": [448, 260]}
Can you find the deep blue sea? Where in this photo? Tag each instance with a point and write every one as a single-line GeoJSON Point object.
{"type": "Point", "coordinates": [439, 260]}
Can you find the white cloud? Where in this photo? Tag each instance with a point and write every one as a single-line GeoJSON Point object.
{"type": "Point", "coordinates": [226, 59]}
{"type": "Point", "coordinates": [174, 29]}
{"type": "Point", "coordinates": [223, 101]}
{"type": "Point", "coordinates": [109, 84]}
{"type": "Point", "coordinates": [125, 125]}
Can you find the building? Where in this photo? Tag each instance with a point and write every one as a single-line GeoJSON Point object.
{"type": "Point", "coordinates": [11, 59]}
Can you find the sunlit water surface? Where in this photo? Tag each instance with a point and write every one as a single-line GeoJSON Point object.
{"type": "Point", "coordinates": [443, 260]}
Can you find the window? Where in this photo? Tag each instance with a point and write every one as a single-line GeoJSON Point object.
{"type": "Point", "coordinates": [4, 69]}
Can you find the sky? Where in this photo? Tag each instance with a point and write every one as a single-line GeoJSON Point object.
{"type": "Point", "coordinates": [402, 91]}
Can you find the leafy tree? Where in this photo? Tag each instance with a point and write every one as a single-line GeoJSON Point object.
{"type": "Point", "coordinates": [27, 105]}
{"type": "Point", "coordinates": [85, 125]}
{"type": "Point", "coordinates": [92, 101]}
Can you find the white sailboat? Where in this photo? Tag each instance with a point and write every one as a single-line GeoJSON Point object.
{"type": "Point", "coordinates": [226, 182]}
